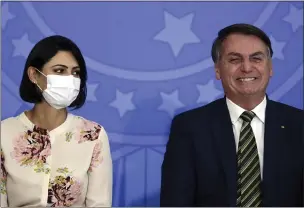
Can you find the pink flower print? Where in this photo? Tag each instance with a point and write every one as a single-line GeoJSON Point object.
{"type": "Point", "coordinates": [63, 191]}
{"type": "Point", "coordinates": [89, 131]}
{"type": "Point", "coordinates": [96, 157]}
{"type": "Point", "coordinates": [32, 148]}
{"type": "Point", "coordinates": [3, 175]}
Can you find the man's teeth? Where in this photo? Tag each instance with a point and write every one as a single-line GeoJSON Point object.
{"type": "Point", "coordinates": [247, 79]}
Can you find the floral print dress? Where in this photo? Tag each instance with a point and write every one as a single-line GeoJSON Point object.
{"type": "Point", "coordinates": [68, 166]}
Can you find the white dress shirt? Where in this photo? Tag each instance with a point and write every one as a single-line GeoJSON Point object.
{"type": "Point", "coordinates": [257, 124]}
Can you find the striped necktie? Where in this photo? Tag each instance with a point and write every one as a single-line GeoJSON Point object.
{"type": "Point", "coordinates": [249, 174]}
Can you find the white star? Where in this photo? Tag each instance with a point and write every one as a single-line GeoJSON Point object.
{"type": "Point", "coordinates": [6, 15]}
{"type": "Point", "coordinates": [177, 32]}
{"type": "Point", "coordinates": [295, 17]}
{"type": "Point", "coordinates": [22, 46]}
{"type": "Point", "coordinates": [277, 48]}
{"type": "Point", "coordinates": [207, 92]}
{"type": "Point", "coordinates": [123, 102]}
{"type": "Point", "coordinates": [91, 88]}
{"type": "Point", "coordinates": [170, 102]}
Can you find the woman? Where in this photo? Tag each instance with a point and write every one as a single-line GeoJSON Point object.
{"type": "Point", "coordinates": [50, 157]}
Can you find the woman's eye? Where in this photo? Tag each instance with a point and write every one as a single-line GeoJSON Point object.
{"type": "Point", "coordinates": [76, 73]}
{"type": "Point", "coordinates": [58, 70]}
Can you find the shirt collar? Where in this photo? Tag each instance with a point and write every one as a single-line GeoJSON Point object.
{"type": "Point", "coordinates": [236, 111]}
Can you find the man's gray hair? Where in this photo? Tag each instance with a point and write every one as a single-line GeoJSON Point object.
{"type": "Point", "coordinates": [245, 29]}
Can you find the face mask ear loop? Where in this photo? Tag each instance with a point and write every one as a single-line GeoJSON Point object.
{"type": "Point", "coordinates": [40, 72]}
{"type": "Point", "coordinates": [36, 82]}
{"type": "Point", "coordinates": [38, 86]}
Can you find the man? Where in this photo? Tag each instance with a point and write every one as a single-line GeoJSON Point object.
{"type": "Point", "coordinates": [241, 150]}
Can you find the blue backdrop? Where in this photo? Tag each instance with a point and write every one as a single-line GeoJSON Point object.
{"type": "Point", "coordinates": [147, 61]}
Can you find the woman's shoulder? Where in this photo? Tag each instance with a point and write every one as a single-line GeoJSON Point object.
{"type": "Point", "coordinates": [12, 121]}
{"type": "Point", "coordinates": [8, 120]}
{"type": "Point", "coordinates": [88, 129]}
{"type": "Point", "coordinates": [11, 128]}
{"type": "Point", "coordinates": [84, 121]}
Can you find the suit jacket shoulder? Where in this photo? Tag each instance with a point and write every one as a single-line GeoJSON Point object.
{"type": "Point", "coordinates": [285, 113]}
{"type": "Point", "coordinates": [286, 110]}
{"type": "Point", "coordinates": [203, 113]}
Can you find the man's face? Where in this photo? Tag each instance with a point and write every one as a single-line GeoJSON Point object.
{"type": "Point", "coordinates": [244, 66]}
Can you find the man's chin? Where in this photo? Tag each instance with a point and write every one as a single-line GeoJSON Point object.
{"type": "Point", "coordinates": [251, 93]}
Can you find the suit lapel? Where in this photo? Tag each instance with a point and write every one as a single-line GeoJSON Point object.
{"type": "Point", "coordinates": [273, 144]}
{"type": "Point", "coordinates": [225, 143]}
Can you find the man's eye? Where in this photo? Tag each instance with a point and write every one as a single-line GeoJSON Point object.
{"type": "Point", "coordinates": [234, 60]}
{"type": "Point", "coordinates": [257, 59]}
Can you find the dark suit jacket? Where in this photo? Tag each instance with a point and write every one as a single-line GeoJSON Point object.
{"type": "Point", "coordinates": [200, 165]}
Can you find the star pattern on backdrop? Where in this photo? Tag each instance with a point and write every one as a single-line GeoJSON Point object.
{"type": "Point", "coordinates": [208, 92]}
{"type": "Point", "coordinates": [123, 102]}
{"type": "Point", "coordinates": [294, 17]}
{"type": "Point", "coordinates": [91, 90]}
{"type": "Point", "coordinates": [22, 46]}
{"type": "Point", "coordinates": [170, 102]}
{"type": "Point", "coordinates": [5, 15]}
{"type": "Point", "coordinates": [277, 47]}
{"type": "Point", "coordinates": [177, 32]}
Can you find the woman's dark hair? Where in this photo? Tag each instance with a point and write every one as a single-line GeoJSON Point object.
{"type": "Point", "coordinates": [41, 53]}
{"type": "Point", "coordinates": [245, 29]}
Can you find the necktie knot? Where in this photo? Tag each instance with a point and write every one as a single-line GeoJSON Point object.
{"type": "Point", "coordinates": [247, 116]}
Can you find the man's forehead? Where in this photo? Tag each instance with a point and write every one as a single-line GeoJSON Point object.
{"type": "Point", "coordinates": [257, 53]}
{"type": "Point", "coordinates": [243, 41]}
{"type": "Point", "coordinates": [243, 44]}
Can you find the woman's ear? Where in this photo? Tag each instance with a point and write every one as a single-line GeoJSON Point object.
{"type": "Point", "coordinates": [32, 74]}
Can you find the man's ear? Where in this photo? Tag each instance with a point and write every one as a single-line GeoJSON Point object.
{"type": "Point", "coordinates": [270, 68]}
{"type": "Point", "coordinates": [217, 71]}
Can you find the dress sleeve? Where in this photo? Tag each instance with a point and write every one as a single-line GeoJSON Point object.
{"type": "Point", "coordinates": [99, 193]}
{"type": "Point", "coordinates": [3, 176]}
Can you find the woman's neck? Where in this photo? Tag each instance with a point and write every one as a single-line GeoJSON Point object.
{"type": "Point", "coordinates": [46, 117]}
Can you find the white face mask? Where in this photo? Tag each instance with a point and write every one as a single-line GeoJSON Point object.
{"type": "Point", "coordinates": [61, 90]}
